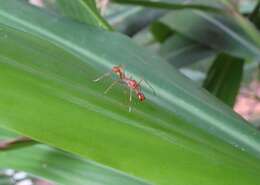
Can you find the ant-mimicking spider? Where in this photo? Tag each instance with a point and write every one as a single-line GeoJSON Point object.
{"type": "Point", "coordinates": [133, 85]}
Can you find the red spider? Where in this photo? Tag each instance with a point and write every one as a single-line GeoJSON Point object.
{"type": "Point", "coordinates": [133, 85]}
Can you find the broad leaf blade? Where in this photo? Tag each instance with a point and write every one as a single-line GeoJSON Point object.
{"type": "Point", "coordinates": [224, 78]}
{"type": "Point", "coordinates": [55, 101]}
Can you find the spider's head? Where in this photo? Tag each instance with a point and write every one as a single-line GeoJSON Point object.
{"type": "Point", "coordinates": [117, 70]}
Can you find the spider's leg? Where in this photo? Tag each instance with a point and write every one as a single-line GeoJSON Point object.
{"type": "Point", "coordinates": [110, 87]}
{"type": "Point", "coordinates": [148, 84]}
{"type": "Point", "coordinates": [130, 100]}
{"type": "Point", "coordinates": [103, 76]}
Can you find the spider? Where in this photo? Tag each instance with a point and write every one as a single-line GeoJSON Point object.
{"type": "Point", "coordinates": [132, 84]}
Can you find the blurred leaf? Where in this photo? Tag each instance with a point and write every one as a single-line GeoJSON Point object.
{"type": "Point", "coordinates": [224, 78]}
{"type": "Point", "coordinates": [255, 15]}
{"type": "Point", "coordinates": [141, 20]}
{"type": "Point", "coordinates": [175, 4]}
{"type": "Point", "coordinates": [247, 6]}
{"type": "Point", "coordinates": [4, 180]}
{"type": "Point", "coordinates": [180, 51]}
{"type": "Point", "coordinates": [217, 31]}
{"type": "Point", "coordinates": [58, 166]}
{"type": "Point", "coordinates": [117, 15]}
{"type": "Point", "coordinates": [62, 168]}
{"type": "Point", "coordinates": [47, 67]}
{"type": "Point", "coordinates": [4, 134]}
{"type": "Point", "coordinates": [15, 143]}
{"type": "Point", "coordinates": [160, 31]}
{"type": "Point", "coordinates": [194, 75]}
{"type": "Point", "coordinates": [243, 22]}
{"type": "Point", "coordinates": [13, 140]}
{"type": "Point", "coordinates": [83, 11]}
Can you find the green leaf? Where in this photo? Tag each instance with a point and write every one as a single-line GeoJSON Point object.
{"type": "Point", "coordinates": [47, 67]}
{"type": "Point", "coordinates": [4, 134]}
{"type": "Point", "coordinates": [180, 51]}
{"type": "Point", "coordinates": [136, 20]}
{"type": "Point", "coordinates": [58, 166]}
{"type": "Point", "coordinates": [244, 24]}
{"type": "Point", "coordinates": [255, 15]}
{"type": "Point", "coordinates": [224, 78]}
{"type": "Point", "coordinates": [246, 7]}
{"type": "Point", "coordinates": [83, 11]}
{"type": "Point", "coordinates": [217, 31]}
{"type": "Point", "coordinates": [62, 168]}
{"type": "Point", "coordinates": [4, 180]}
{"type": "Point", "coordinates": [160, 31]}
{"type": "Point", "coordinates": [175, 4]}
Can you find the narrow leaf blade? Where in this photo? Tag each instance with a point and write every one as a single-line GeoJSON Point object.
{"type": "Point", "coordinates": [224, 78]}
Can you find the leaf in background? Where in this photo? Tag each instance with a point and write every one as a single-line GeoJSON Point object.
{"type": "Point", "coordinates": [160, 31]}
{"type": "Point", "coordinates": [180, 51]}
{"type": "Point", "coordinates": [4, 180]}
{"type": "Point", "coordinates": [133, 25]}
{"type": "Point", "coordinates": [224, 78]}
{"type": "Point", "coordinates": [62, 168]}
{"type": "Point", "coordinates": [47, 67]}
{"type": "Point", "coordinates": [175, 4]}
{"type": "Point", "coordinates": [59, 167]}
{"type": "Point", "coordinates": [16, 143]}
{"type": "Point", "coordinates": [116, 14]}
{"type": "Point", "coordinates": [4, 134]}
{"type": "Point", "coordinates": [246, 7]}
{"type": "Point", "coordinates": [131, 19]}
{"type": "Point", "coordinates": [255, 15]}
{"type": "Point", "coordinates": [217, 31]}
{"type": "Point", "coordinates": [83, 11]}
{"type": "Point", "coordinates": [244, 24]}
